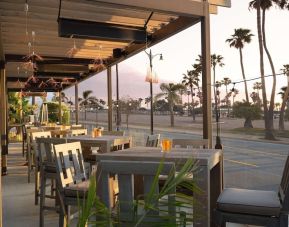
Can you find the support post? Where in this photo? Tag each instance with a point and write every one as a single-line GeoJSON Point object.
{"type": "Point", "coordinates": [3, 121]}
{"type": "Point", "coordinates": [76, 102]}
{"type": "Point", "coordinates": [152, 111]}
{"type": "Point", "coordinates": [59, 108]}
{"type": "Point", "coordinates": [206, 78]}
{"type": "Point", "coordinates": [109, 98]}
{"type": "Point", "coordinates": [117, 100]}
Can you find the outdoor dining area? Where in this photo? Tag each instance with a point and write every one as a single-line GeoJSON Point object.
{"type": "Point", "coordinates": [80, 176]}
{"type": "Point", "coordinates": [66, 160]}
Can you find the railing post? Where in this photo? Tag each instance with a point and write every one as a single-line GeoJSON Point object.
{"type": "Point", "coordinates": [109, 98]}
{"type": "Point", "coordinates": [76, 102]}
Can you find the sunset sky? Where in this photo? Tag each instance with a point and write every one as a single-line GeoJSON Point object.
{"type": "Point", "coordinates": [181, 50]}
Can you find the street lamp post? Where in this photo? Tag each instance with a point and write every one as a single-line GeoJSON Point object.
{"type": "Point", "coordinates": [151, 78]}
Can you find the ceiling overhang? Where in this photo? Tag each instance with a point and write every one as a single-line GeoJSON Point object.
{"type": "Point", "coordinates": [79, 39]}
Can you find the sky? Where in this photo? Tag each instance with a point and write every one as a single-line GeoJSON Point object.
{"type": "Point", "coordinates": [180, 51]}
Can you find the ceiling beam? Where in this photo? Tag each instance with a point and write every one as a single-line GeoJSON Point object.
{"type": "Point", "coordinates": [50, 60]}
{"type": "Point", "coordinates": [44, 79]}
{"type": "Point", "coordinates": [58, 74]}
{"type": "Point", "coordinates": [101, 31]}
{"type": "Point", "coordinates": [62, 68]}
{"type": "Point", "coordinates": [180, 7]}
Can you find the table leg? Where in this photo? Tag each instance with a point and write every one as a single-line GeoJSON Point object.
{"type": "Point", "coordinates": [202, 205]}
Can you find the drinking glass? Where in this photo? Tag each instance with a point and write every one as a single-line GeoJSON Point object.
{"type": "Point", "coordinates": [166, 145]}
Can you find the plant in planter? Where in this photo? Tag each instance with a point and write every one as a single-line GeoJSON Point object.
{"type": "Point", "coordinates": [93, 212]}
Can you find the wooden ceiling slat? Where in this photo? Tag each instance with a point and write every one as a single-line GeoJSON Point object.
{"type": "Point", "coordinates": [51, 6]}
{"type": "Point", "coordinates": [48, 26]}
{"type": "Point", "coordinates": [45, 19]}
{"type": "Point", "coordinates": [21, 38]}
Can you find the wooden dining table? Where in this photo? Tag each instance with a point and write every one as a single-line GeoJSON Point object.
{"type": "Point", "coordinates": [208, 177]}
{"type": "Point", "coordinates": [105, 143]}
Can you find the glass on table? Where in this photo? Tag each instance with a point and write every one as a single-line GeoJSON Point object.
{"type": "Point", "coordinates": [166, 145]}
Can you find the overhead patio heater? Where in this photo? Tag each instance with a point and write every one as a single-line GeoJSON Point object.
{"type": "Point", "coordinates": [100, 31]}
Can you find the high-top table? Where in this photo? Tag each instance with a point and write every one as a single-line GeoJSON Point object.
{"type": "Point", "coordinates": [103, 142]}
{"type": "Point", "coordinates": [208, 177]}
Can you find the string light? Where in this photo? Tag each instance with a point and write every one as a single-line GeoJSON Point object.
{"type": "Point", "coordinates": [252, 79]}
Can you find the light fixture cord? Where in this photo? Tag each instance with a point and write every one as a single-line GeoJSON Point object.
{"type": "Point", "coordinates": [59, 10]}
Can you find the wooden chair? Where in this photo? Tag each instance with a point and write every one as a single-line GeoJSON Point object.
{"type": "Point", "coordinates": [72, 179]}
{"type": "Point", "coordinates": [125, 170]}
{"type": "Point", "coordinates": [190, 143]}
{"type": "Point", "coordinates": [35, 135]}
{"type": "Point", "coordinates": [153, 140]}
{"type": "Point", "coordinates": [78, 132]}
{"type": "Point", "coordinates": [255, 207]}
{"type": "Point", "coordinates": [30, 151]}
{"type": "Point", "coordinates": [47, 172]}
{"type": "Point", "coordinates": [112, 133]}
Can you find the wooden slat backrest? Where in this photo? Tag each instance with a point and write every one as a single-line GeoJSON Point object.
{"type": "Point", "coordinates": [35, 135]}
{"type": "Point", "coordinates": [284, 187]}
{"type": "Point", "coordinates": [190, 143]}
{"type": "Point", "coordinates": [153, 140]}
{"type": "Point", "coordinates": [46, 150]}
{"type": "Point", "coordinates": [30, 131]}
{"type": "Point", "coordinates": [125, 171]}
{"type": "Point", "coordinates": [112, 133]}
{"type": "Point", "coordinates": [69, 163]}
{"type": "Point", "coordinates": [78, 132]}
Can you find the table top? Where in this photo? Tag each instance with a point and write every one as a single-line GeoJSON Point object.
{"type": "Point", "coordinates": [88, 138]}
{"type": "Point", "coordinates": [98, 138]}
{"type": "Point", "coordinates": [205, 157]}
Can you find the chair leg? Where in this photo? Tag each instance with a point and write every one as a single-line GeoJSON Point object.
{"type": "Point", "coordinates": [283, 220]}
{"type": "Point", "coordinates": [37, 179]}
{"type": "Point", "coordinates": [29, 164]}
{"type": "Point", "coordinates": [67, 215]}
{"type": "Point", "coordinates": [52, 188]}
{"type": "Point", "coordinates": [23, 147]}
{"type": "Point", "coordinates": [42, 197]}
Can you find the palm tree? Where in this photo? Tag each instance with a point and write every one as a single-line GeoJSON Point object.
{"type": "Point", "coordinates": [234, 93]}
{"type": "Point", "coordinates": [257, 86]}
{"type": "Point", "coordinates": [216, 60]}
{"type": "Point", "coordinates": [238, 40]}
{"type": "Point", "coordinates": [86, 100]}
{"type": "Point", "coordinates": [190, 80]}
{"type": "Point", "coordinates": [171, 93]}
{"type": "Point", "coordinates": [226, 81]}
{"type": "Point", "coordinates": [265, 5]}
{"type": "Point", "coordinates": [285, 96]}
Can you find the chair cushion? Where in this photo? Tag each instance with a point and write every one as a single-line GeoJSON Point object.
{"type": "Point", "coordinates": [253, 202]}
{"type": "Point", "coordinates": [79, 189]}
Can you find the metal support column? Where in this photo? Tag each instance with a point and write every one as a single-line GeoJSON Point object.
{"type": "Point", "coordinates": [109, 98]}
{"type": "Point", "coordinates": [76, 102]}
{"type": "Point", "coordinates": [206, 78]}
{"type": "Point", "coordinates": [118, 117]}
{"type": "Point", "coordinates": [59, 108]}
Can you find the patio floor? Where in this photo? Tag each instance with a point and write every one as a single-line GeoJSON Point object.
{"type": "Point", "coordinates": [18, 196]}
